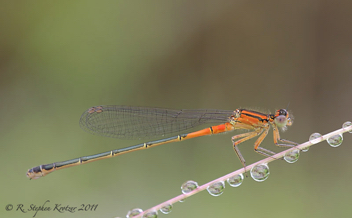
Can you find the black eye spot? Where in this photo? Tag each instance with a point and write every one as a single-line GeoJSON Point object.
{"type": "Point", "coordinates": [282, 112]}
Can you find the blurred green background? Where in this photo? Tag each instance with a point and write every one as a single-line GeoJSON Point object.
{"type": "Point", "coordinates": [57, 59]}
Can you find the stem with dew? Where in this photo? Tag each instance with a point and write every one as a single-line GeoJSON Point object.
{"type": "Point", "coordinates": [242, 170]}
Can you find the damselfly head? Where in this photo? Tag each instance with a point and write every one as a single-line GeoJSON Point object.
{"type": "Point", "coordinates": [282, 119]}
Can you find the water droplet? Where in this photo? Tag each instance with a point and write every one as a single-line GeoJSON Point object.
{"type": "Point", "coordinates": [305, 149]}
{"type": "Point", "coordinates": [291, 157]}
{"type": "Point", "coordinates": [314, 138]}
{"type": "Point", "coordinates": [347, 124]}
{"type": "Point", "coordinates": [182, 200]}
{"type": "Point", "coordinates": [189, 186]}
{"type": "Point", "coordinates": [216, 189]}
{"type": "Point", "coordinates": [260, 172]}
{"type": "Point", "coordinates": [151, 214]}
{"type": "Point", "coordinates": [335, 141]}
{"type": "Point", "coordinates": [134, 212]}
{"type": "Point", "coordinates": [236, 180]}
{"type": "Point", "coordinates": [166, 209]}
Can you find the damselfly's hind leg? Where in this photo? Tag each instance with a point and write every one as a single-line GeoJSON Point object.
{"type": "Point", "coordinates": [245, 136]}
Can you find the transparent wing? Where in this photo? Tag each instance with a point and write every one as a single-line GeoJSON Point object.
{"type": "Point", "coordinates": [127, 122]}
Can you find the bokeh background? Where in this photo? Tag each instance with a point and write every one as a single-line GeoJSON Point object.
{"type": "Point", "coordinates": [57, 59]}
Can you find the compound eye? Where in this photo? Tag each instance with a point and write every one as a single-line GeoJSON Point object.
{"type": "Point", "coordinates": [282, 112]}
{"type": "Point", "coordinates": [281, 121]}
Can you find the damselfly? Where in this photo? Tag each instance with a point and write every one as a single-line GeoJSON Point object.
{"type": "Point", "coordinates": [125, 122]}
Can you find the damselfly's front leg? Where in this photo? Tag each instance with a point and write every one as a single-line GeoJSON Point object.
{"type": "Point", "coordinates": [286, 143]}
{"type": "Point", "coordinates": [260, 150]}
